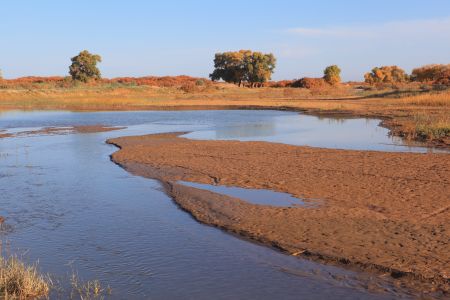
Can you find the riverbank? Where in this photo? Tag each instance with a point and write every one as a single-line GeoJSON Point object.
{"type": "Point", "coordinates": [381, 211]}
{"type": "Point", "coordinates": [414, 115]}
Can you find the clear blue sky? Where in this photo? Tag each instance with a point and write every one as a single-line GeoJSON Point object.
{"type": "Point", "coordinates": [138, 38]}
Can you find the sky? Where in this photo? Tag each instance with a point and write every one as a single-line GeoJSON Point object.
{"type": "Point", "coordinates": [141, 38]}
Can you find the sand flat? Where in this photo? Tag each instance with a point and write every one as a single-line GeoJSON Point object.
{"type": "Point", "coordinates": [388, 211]}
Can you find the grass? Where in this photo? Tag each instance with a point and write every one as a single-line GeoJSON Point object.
{"type": "Point", "coordinates": [20, 281]}
{"type": "Point", "coordinates": [86, 290]}
{"type": "Point", "coordinates": [429, 100]}
{"type": "Point", "coordinates": [431, 127]}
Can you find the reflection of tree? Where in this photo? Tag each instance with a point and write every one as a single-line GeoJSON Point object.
{"type": "Point", "coordinates": [333, 120]}
{"type": "Point", "coordinates": [246, 130]}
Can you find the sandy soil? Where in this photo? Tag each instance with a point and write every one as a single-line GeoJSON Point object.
{"type": "Point", "coordinates": [63, 130]}
{"type": "Point", "coordinates": [383, 211]}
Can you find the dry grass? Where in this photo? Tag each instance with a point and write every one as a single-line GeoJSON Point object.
{"type": "Point", "coordinates": [431, 127]}
{"type": "Point", "coordinates": [437, 99]}
{"type": "Point", "coordinates": [19, 281]}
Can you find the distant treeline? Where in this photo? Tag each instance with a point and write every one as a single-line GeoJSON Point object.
{"type": "Point", "coordinates": [243, 68]}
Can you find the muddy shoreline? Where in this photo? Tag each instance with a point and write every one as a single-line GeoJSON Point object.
{"type": "Point", "coordinates": [385, 212]}
{"type": "Point", "coordinates": [62, 130]}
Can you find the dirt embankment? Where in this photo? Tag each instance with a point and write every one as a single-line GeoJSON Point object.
{"type": "Point", "coordinates": [383, 211]}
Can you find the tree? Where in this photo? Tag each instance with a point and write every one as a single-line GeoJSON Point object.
{"type": "Point", "coordinates": [84, 66]}
{"type": "Point", "coordinates": [230, 66]}
{"type": "Point", "coordinates": [332, 75]}
{"type": "Point", "coordinates": [259, 67]}
{"type": "Point", "coordinates": [386, 74]}
{"type": "Point", "coordinates": [243, 66]}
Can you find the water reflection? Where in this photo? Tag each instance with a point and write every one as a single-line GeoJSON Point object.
{"type": "Point", "coordinates": [339, 133]}
{"type": "Point", "coordinates": [70, 207]}
{"type": "Point", "coordinates": [272, 126]}
{"type": "Point", "coordinates": [255, 196]}
{"type": "Point", "coordinates": [246, 131]}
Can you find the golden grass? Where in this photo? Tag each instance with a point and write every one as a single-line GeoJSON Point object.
{"type": "Point", "coordinates": [19, 281]}
{"type": "Point", "coordinates": [438, 99]}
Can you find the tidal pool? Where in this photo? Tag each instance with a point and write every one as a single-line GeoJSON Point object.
{"type": "Point", "coordinates": [255, 196]}
{"type": "Point", "coordinates": [71, 208]}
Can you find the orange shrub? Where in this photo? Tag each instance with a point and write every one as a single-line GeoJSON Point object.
{"type": "Point", "coordinates": [310, 83]}
{"type": "Point", "coordinates": [435, 74]}
{"type": "Point", "coordinates": [279, 84]}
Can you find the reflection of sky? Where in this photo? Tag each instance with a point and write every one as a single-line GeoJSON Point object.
{"type": "Point", "coordinates": [361, 134]}
{"type": "Point", "coordinates": [250, 125]}
{"type": "Point", "coordinates": [255, 196]}
{"type": "Point", "coordinates": [246, 131]}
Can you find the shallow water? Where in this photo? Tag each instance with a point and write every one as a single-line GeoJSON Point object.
{"type": "Point", "coordinates": [272, 126]}
{"type": "Point", "coordinates": [71, 208]}
{"type": "Point", "coordinates": [254, 196]}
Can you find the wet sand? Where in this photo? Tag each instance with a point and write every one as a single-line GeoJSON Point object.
{"type": "Point", "coordinates": [62, 130]}
{"type": "Point", "coordinates": [4, 135]}
{"type": "Point", "coordinates": [386, 212]}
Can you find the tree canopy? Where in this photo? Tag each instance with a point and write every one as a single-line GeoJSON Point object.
{"type": "Point", "coordinates": [243, 66]}
{"type": "Point", "coordinates": [332, 75]}
{"type": "Point", "coordinates": [386, 74]}
{"type": "Point", "coordinates": [84, 66]}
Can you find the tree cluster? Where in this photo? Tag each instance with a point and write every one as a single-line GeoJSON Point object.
{"type": "Point", "coordinates": [244, 66]}
{"type": "Point", "coordinates": [386, 74]}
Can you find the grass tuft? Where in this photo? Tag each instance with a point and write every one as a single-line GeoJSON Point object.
{"type": "Point", "coordinates": [432, 127]}
{"type": "Point", "coordinates": [85, 290]}
{"type": "Point", "coordinates": [19, 281]}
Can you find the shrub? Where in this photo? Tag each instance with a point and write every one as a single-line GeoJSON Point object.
{"type": "Point", "coordinates": [435, 74]}
{"type": "Point", "coordinates": [386, 74]}
{"type": "Point", "coordinates": [200, 82]}
{"type": "Point", "coordinates": [310, 83]}
{"type": "Point", "coordinates": [332, 75]}
{"type": "Point", "coordinates": [279, 84]}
